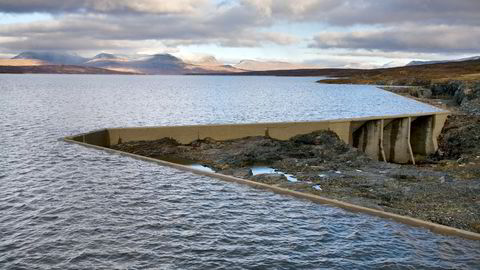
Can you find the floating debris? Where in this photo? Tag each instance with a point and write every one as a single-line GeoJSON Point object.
{"type": "Point", "coordinates": [268, 170]}
{"type": "Point", "coordinates": [201, 168]}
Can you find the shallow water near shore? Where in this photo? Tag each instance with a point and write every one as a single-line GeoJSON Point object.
{"type": "Point", "coordinates": [65, 206]}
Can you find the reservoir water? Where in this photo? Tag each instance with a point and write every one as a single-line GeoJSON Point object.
{"type": "Point", "coordinates": [64, 206]}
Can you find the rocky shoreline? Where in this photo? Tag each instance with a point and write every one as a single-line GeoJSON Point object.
{"type": "Point", "coordinates": [444, 189]}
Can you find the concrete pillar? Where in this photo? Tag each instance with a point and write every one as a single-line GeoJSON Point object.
{"type": "Point", "coordinates": [396, 141]}
{"type": "Point", "coordinates": [424, 134]}
{"type": "Point", "coordinates": [438, 123]}
{"type": "Point", "coordinates": [421, 138]}
{"type": "Point", "coordinates": [367, 138]}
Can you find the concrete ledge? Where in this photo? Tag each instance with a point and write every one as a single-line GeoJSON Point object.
{"type": "Point", "coordinates": [437, 228]}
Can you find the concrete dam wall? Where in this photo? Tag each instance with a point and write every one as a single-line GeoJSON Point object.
{"type": "Point", "coordinates": [398, 139]}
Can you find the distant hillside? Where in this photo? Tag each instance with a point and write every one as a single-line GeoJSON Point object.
{"type": "Point", "coordinates": [408, 75]}
{"type": "Point", "coordinates": [53, 58]}
{"type": "Point", "coordinates": [105, 56]}
{"type": "Point", "coordinates": [203, 61]}
{"type": "Point", "coordinates": [413, 75]}
{"type": "Point", "coordinates": [312, 72]}
{"type": "Point", "coordinates": [156, 64]}
{"type": "Point", "coordinates": [159, 64]}
{"type": "Point", "coordinates": [417, 63]}
{"type": "Point", "coordinates": [57, 69]}
{"type": "Point", "coordinates": [210, 64]}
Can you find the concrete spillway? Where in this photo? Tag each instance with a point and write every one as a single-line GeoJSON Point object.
{"type": "Point", "coordinates": [398, 139]}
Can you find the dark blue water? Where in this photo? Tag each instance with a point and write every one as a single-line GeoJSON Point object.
{"type": "Point", "coordinates": [64, 206]}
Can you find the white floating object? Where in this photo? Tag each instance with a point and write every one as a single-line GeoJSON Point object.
{"type": "Point", "coordinates": [290, 177]}
{"type": "Point", "coordinates": [317, 187]}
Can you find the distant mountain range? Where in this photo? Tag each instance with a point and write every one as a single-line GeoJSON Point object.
{"type": "Point", "coordinates": [418, 63]}
{"type": "Point", "coordinates": [148, 64]}
{"type": "Point", "coordinates": [54, 62]}
{"type": "Point", "coordinates": [52, 58]}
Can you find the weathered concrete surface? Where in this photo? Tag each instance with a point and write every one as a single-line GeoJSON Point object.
{"type": "Point", "coordinates": [396, 141]}
{"type": "Point", "coordinates": [367, 138]}
{"type": "Point", "coordinates": [421, 135]}
{"type": "Point", "coordinates": [97, 137]}
{"type": "Point", "coordinates": [424, 133]}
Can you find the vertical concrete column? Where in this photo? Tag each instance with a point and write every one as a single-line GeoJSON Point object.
{"type": "Point", "coordinates": [424, 133]}
{"type": "Point", "coordinates": [421, 138]}
{"type": "Point", "coordinates": [382, 149]}
{"type": "Point", "coordinates": [410, 151]}
{"type": "Point", "coordinates": [396, 141]}
{"type": "Point", "coordinates": [367, 138]}
{"type": "Point", "coordinates": [438, 123]}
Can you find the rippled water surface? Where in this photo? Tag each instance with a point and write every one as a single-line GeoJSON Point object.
{"type": "Point", "coordinates": [63, 206]}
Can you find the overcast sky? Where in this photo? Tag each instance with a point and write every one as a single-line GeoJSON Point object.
{"type": "Point", "coordinates": [334, 33]}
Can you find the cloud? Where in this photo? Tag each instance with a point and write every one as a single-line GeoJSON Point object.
{"type": "Point", "coordinates": [334, 12]}
{"type": "Point", "coordinates": [368, 12]}
{"type": "Point", "coordinates": [101, 6]}
{"type": "Point", "coordinates": [228, 28]}
{"type": "Point", "coordinates": [375, 26]}
{"type": "Point", "coordinates": [411, 38]}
